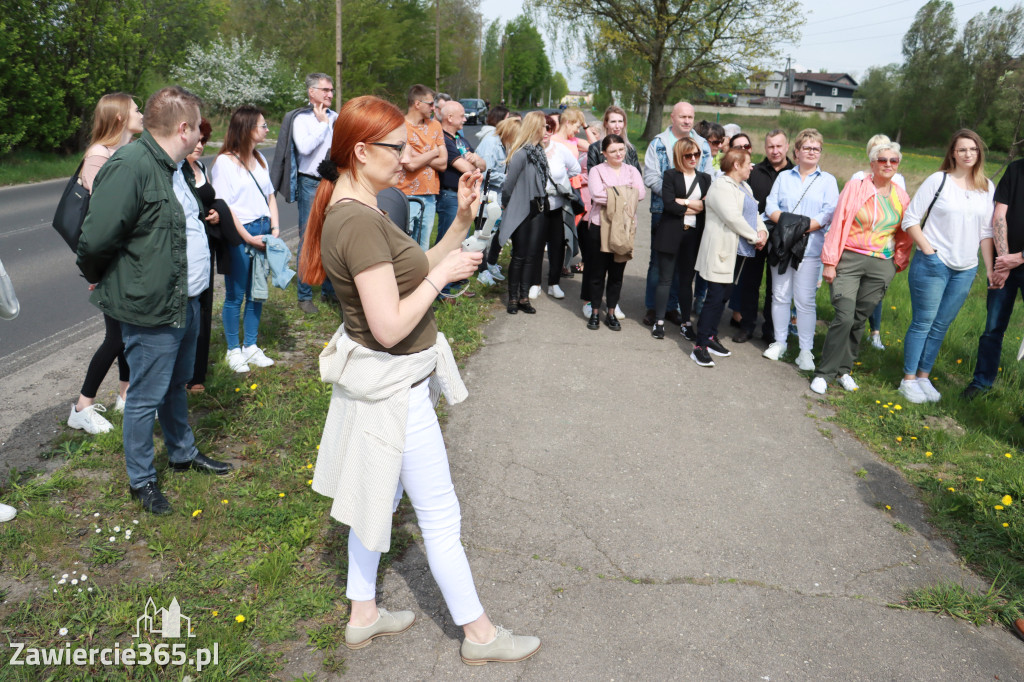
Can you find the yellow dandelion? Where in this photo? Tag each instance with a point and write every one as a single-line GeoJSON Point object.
{"type": "Point", "coordinates": [979, 480]}
{"type": "Point", "coordinates": [223, 501]}
{"type": "Point", "coordinates": [891, 412]}
{"type": "Point", "coordinates": [928, 428]}
{"type": "Point", "coordinates": [878, 402]}
{"type": "Point", "coordinates": [197, 512]}
{"type": "Point", "coordinates": [1007, 500]}
{"type": "Point", "coordinates": [280, 494]}
{"type": "Point", "coordinates": [959, 360]}
{"type": "Point", "coordinates": [998, 507]}
{"type": "Point", "coordinates": [317, 447]}
{"type": "Point", "coordinates": [216, 613]}
{"type": "Point", "coordinates": [899, 439]}
{"type": "Point", "coordinates": [893, 307]}
{"type": "Point", "coordinates": [239, 618]}
{"type": "Point", "coordinates": [253, 387]}
{"type": "Point", "coordinates": [1008, 455]}
{"type": "Point", "coordinates": [1006, 525]}
{"type": "Point", "coordinates": [325, 344]}
{"type": "Point", "coordinates": [888, 507]}
{"type": "Point", "coordinates": [952, 490]}
{"type": "Point", "coordinates": [913, 438]}
{"type": "Point", "coordinates": [898, 406]}
{"type": "Point", "coordinates": [928, 454]}
{"type": "Point", "coordinates": [237, 390]}
{"type": "Point", "coordinates": [309, 482]}
{"type": "Point", "coordinates": [857, 363]}
{"type": "Point", "coordinates": [308, 465]}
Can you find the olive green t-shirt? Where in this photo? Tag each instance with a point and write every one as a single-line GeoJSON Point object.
{"type": "Point", "coordinates": [356, 237]}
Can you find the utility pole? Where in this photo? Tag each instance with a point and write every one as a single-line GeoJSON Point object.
{"type": "Point", "coordinates": [504, 39]}
{"type": "Point", "coordinates": [437, 46]}
{"type": "Point", "coordinates": [337, 56]}
{"type": "Point", "coordinates": [480, 59]}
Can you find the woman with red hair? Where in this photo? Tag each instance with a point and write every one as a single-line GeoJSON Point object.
{"type": "Point", "coordinates": [388, 365]}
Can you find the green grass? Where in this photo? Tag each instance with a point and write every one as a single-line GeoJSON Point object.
{"type": "Point", "coordinates": [253, 558]}
{"type": "Point", "coordinates": [25, 165]}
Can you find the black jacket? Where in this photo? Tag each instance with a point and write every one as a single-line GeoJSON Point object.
{"type": "Point", "coordinates": [762, 177]}
{"type": "Point", "coordinates": [788, 240]}
{"type": "Point", "coordinates": [670, 231]}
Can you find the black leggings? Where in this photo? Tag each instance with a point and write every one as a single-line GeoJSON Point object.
{"type": "Point", "coordinates": [683, 262]}
{"type": "Point", "coordinates": [112, 347]}
{"type": "Point", "coordinates": [203, 341]}
{"type": "Point", "coordinates": [552, 232]}
{"type": "Point", "coordinates": [583, 230]}
{"type": "Point", "coordinates": [600, 265]}
{"type": "Point", "coordinates": [527, 242]}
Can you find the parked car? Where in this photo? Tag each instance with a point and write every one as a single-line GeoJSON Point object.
{"type": "Point", "coordinates": [476, 110]}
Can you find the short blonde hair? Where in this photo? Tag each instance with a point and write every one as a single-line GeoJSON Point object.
{"type": "Point", "coordinates": [805, 135]}
{"type": "Point", "coordinates": [572, 115]}
{"type": "Point", "coordinates": [169, 107]}
{"type": "Point", "coordinates": [875, 141]}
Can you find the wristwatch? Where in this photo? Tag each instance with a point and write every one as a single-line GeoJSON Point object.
{"type": "Point", "coordinates": [686, 203]}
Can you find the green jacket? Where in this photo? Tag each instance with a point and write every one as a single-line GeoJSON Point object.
{"type": "Point", "coordinates": [133, 239]}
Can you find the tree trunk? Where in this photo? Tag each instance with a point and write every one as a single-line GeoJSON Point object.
{"type": "Point", "coordinates": [656, 105]}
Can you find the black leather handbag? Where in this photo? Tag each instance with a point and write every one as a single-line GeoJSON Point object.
{"type": "Point", "coordinates": [71, 210]}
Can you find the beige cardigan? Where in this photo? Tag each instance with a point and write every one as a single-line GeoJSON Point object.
{"type": "Point", "coordinates": [360, 456]}
{"type": "Point", "coordinates": [724, 224]}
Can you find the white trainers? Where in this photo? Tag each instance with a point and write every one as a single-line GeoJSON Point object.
{"type": "Point", "coordinates": [618, 312]}
{"type": "Point", "coordinates": [876, 341]}
{"type": "Point", "coordinates": [535, 291]}
{"type": "Point", "coordinates": [7, 512]}
{"type": "Point", "coordinates": [847, 382]}
{"type": "Point", "coordinates": [819, 385]}
{"type": "Point", "coordinates": [555, 291]}
{"type": "Point", "coordinates": [587, 309]}
{"type": "Point", "coordinates": [930, 394]}
{"type": "Point", "coordinates": [90, 420]}
{"type": "Point", "coordinates": [495, 271]}
{"type": "Point", "coordinates": [911, 390]}
{"type": "Point", "coordinates": [254, 356]}
{"type": "Point", "coordinates": [119, 404]}
{"type": "Point", "coordinates": [485, 277]}
{"type": "Point", "coordinates": [774, 351]}
{"type": "Point", "coordinates": [805, 360]}
{"type": "Point", "coordinates": [236, 361]}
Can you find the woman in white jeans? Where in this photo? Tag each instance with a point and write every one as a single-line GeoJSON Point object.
{"type": "Point", "coordinates": [388, 365]}
{"type": "Point", "coordinates": [809, 191]}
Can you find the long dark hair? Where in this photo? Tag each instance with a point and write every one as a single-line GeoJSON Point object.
{"type": "Point", "coordinates": [238, 138]}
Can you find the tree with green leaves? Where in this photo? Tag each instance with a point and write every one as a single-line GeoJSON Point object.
{"type": "Point", "coordinates": [527, 68]}
{"type": "Point", "coordinates": [681, 41]}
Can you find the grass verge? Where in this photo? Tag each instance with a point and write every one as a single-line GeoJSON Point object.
{"type": "Point", "coordinates": [252, 558]}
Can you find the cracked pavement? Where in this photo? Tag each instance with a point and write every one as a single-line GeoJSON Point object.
{"type": "Point", "coordinates": [648, 518]}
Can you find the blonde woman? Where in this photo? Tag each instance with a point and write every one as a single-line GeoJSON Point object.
{"type": "Point", "coordinates": [116, 120]}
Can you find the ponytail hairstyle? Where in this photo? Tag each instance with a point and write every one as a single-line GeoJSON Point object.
{"type": "Point", "coordinates": [362, 119]}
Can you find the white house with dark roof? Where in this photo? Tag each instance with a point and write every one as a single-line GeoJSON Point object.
{"type": "Point", "coordinates": [831, 92]}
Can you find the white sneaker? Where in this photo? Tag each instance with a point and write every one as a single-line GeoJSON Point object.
{"type": "Point", "coordinates": [7, 512]}
{"type": "Point", "coordinates": [90, 420]}
{"type": "Point", "coordinates": [930, 394]}
{"type": "Point", "coordinates": [555, 291]}
{"type": "Point", "coordinates": [484, 277]}
{"type": "Point", "coordinates": [495, 271]}
{"type": "Point", "coordinates": [119, 404]}
{"type": "Point", "coordinates": [805, 360]}
{"type": "Point", "coordinates": [236, 361]}
{"type": "Point", "coordinates": [774, 351]}
{"type": "Point", "coordinates": [876, 341]}
{"type": "Point", "coordinates": [587, 309]}
{"type": "Point", "coordinates": [847, 382]}
{"type": "Point", "coordinates": [618, 313]}
{"type": "Point", "coordinates": [535, 291]}
{"type": "Point", "coordinates": [819, 385]}
{"type": "Point", "coordinates": [911, 390]}
{"type": "Point", "coordinates": [254, 356]}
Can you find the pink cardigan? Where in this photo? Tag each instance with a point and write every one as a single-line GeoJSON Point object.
{"type": "Point", "coordinates": [854, 194]}
{"type": "Point", "coordinates": [601, 177]}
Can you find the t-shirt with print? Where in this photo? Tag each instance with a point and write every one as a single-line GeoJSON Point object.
{"type": "Point", "coordinates": [422, 138]}
{"type": "Point", "coordinates": [356, 237]}
{"type": "Point", "coordinates": [874, 227]}
{"type": "Point", "coordinates": [457, 145]}
{"type": "Point", "coordinates": [1010, 191]}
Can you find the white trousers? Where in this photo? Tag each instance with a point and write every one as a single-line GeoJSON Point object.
{"type": "Point", "coordinates": [427, 479]}
{"type": "Point", "coordinates": [799, 286]}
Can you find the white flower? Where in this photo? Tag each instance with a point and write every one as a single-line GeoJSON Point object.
{"type": "Point", "coordinates": [61, 581]}
{"type": "Point", "coordinates": [64, 576]}
{"type": "Point", "coordinates": [63, 631]}
{"type": "Point", "coordinates": [55, 591]}
{"type": "Point", "coordinates": [135, 521]}
{"type": "Point", "coordinates": [98, 530]}
{"type": "Point", "coordinates": [112, 538]}
{"type": "Point", "coordinates": [97, 514]}
{"type": "Point", "coordinates": [117, 529]}
{"type": "Point", "coordinates": [84, 577]}
{"type": "Point", "coordinates": [90, 589]}
{"type": "Point", "coordinates": [79, 589]}
{"type": "Point", "coordinates": [74, 581]}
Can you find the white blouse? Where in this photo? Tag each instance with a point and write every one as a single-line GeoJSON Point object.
{"type": "Point", "coordinates": [562, 165]}
{"type": "Point", "coordinates": [234, 185]}
{"type": "Point", "coordinates": [957, 223]}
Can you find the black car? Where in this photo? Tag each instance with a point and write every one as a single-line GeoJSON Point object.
{"type": "Point", "coordinates": [476, 110]}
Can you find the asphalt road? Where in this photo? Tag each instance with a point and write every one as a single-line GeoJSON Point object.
{"type": "Point", "coordinates": [55, 308]}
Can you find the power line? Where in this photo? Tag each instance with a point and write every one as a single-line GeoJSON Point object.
{"type": "Point", "coordinates": [863, 11]}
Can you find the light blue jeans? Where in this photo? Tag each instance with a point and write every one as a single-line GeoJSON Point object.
{"type": "Point", "coordinates": [937, 293]}
{"type": "Point", "coordinates": [237, 288]}
{"type": "Point", "coordinates": [421, 232]}
{"type": "Point", "coordinates": [161, 360]}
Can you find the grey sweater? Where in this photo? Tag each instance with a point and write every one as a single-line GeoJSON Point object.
{"type": "Point", "coordinates": [523, 183]}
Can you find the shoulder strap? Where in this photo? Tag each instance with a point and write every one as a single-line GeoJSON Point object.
{"type": "Point", "coordinates": [800, 200]}
{"type": "Point", "coordinates": [689, 191]}
{"type": "Point", "coordinates": [934, 199]}
{"type": "Point", "coordinates": [258, 188]}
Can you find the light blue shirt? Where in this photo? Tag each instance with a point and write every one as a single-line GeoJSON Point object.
{"type": "Point", "coordinates": [819, 202]}
{"type": "Point", "coordinates": [197, 248]}
{"type": "Point", "coordinates": [492, 152]}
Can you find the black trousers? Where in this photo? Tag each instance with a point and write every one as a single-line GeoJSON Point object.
{"type": "Point", "coordinates": [603, 274]}
{"type": "Point", "coordinates": [682, 263]}
{"type": "Point", "coordinates": [527, 244]}
{"type": "Point", "coordinates": [553, 234]}
{"type": "Point", "coordinates": [583, 232]}
{"type": "Point", "coordinates": [711, 313]}
{"type": "Point", "coordinates": [203, 340]}
{"type": "Point", "coordinates": [111, 348]}
{"type": "Point", "coordinates": [754, 267]}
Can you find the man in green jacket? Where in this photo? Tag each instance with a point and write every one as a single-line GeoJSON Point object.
{"type": "Point", "coordinates": [144, 246]}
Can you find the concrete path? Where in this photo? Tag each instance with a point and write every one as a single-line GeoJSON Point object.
{"type": "Point", "coordinates": [650, 519]}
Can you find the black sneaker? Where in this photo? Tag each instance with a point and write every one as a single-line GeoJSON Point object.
{"type": "Point", "coordinates": [687, 331]}
{"type": "Point", "coordinates": [658, 330]}
{"type": "Point", "coordinates": [701, 356]}
{"type": "Point", "coordinates": [972, 392]}
{"type": "Point", "coordinates": [716, 347]}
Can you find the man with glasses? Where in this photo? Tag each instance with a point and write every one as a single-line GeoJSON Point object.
{"type": "Point", "coordinates": [305, 141]}
{"type": "Point", "coordinates": [657, 160]}
{"type": "Point", "coordinates": [428, 158]}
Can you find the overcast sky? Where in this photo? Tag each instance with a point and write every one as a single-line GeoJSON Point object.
{"type": "Point", "coordinates": [837, 36]}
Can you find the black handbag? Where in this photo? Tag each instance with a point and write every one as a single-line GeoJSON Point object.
{"type": "Point", "coordinates": [71, 210]}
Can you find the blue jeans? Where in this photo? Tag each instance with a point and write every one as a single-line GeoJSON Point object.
{"type": "Point", "coordinates": [161, 360]}
{"type": "Point", "coordinates": [653, 275]}
{"type": "Point", "coordinates": [936, 294]}
{"type": "Point", "coordinates": [304, 194]}
{"type": "Point", "coordinates": [421, 231]}
{"type": "Point", "coordinates": [238, 288]}
{"type": "Point", "coordinates": [875, 320]}
{"type": "Point", "coordinates": [990, 345]}
{"type": "Point", "coordinates": [447, 207]}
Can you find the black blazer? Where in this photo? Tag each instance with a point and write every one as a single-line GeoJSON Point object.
{"type": "Point", "coordinates": [670, 232]}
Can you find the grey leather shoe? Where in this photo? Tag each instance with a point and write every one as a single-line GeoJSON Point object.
{"type": "Point", "coordinates": [504, 648]}
{"type": "Point", "coordinates": [387, 624]}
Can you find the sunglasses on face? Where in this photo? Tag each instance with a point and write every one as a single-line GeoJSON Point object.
{"type": "Point", "coordinates": [741, 146]}
{"type": "Point", "coordinates": [888, 162]}
{"type": "Point", "coordinates": [692, 156]}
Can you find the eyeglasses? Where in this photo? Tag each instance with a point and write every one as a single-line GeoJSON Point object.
{"type": "Point", "coordinates": [811, 150]}
{"type": "Point", "coordinates": [741, 146]}
{"type": "Point", "coordinates": [264, 126]}
{"type": "Point", "coordinates": [400, 148]}
{"type": "Point", "coordinates": [967, 151]}
{"type": "Point", "coordinates": [888, 162]}
{"type": "Point", "coordinates": [423, 101]}
{"type": "Point", "coordinates": [693, 156]}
